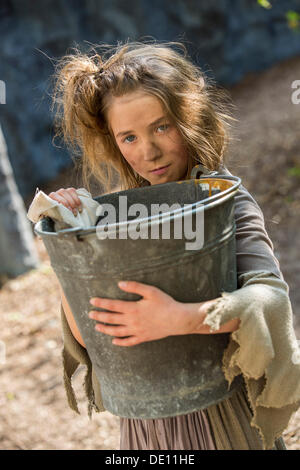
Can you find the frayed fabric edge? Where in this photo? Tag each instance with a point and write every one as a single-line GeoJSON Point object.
{"type": "Point", "coordinates": [68, 383]}
{"type": "Point", "coordinates": [214, 312]}
{"type": "Point", "coordinates": [89, 391]}
{"type": "Point", "coordinates": [232, 368]}
{"type": "Point", "coordinates": [88, 387]}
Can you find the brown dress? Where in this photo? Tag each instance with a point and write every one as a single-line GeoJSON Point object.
{"type": "Point", "coordinates": [224, 426]}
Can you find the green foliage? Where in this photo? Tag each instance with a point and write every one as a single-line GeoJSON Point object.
{"type": "Point", "coordinates": [292, 17]}
{"type": "Point", "coordinates": [294, 171]}
{"type": "Point", "coordinates": [289, 199]}
{"type": "Point", "coordinates": [264, 3]}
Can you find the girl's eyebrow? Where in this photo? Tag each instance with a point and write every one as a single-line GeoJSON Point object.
{"type": "Point", "coordinates": [151, 124]}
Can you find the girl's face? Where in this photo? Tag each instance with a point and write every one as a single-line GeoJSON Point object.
{"type": "Point", "coordinates": [147, 138]}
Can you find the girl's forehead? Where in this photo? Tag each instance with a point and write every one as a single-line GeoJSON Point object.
{"type": "Point", "coordinates": [134, 106]}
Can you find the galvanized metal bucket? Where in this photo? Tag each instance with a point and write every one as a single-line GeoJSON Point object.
{"type": "Point", "coordinates": [178, 374]}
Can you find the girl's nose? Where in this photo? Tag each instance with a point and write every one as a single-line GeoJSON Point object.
{"type": "Point", "coordinates": [151, 151]}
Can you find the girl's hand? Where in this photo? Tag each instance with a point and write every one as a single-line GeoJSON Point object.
{"type": "Point", "coordinates": [157, 315]}
{"type": "Point", "coordinates": [68, 197]}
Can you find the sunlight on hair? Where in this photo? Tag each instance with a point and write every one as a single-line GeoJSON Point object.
{"type": "Point", "coordinates": [84, 83]}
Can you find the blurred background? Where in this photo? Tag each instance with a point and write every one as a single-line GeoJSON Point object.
{"type": "Point", "coordinates": [251, 48]}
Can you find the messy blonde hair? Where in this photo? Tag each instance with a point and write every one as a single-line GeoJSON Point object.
{"type": "Point", "coordinates": [86, 82]}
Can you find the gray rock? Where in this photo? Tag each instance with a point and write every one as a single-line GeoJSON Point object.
{"type": "Point", "coordinates": [17, 250]}
{"type": "Point", "coordinates": [227, 38]}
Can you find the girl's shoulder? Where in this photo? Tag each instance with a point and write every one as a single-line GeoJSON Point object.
{"type": "Point", "coordinates": [254, 248]}
{"type": "Point", "coordinates": [243, 196]}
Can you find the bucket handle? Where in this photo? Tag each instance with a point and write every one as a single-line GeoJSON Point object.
{"type": "Point", "coordinates": [65, 233]}
{"type": "Point", "coordinates": [200, 170]}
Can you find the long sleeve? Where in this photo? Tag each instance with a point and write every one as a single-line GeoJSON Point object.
{"type": "Point", "coordinates": [254, 249]}
{"type": "Point", "coordinates": [264, 349]}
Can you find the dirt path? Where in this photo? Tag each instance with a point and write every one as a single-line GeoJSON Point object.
{"type": "Point", "coordinates": [267, 158]}
{"type": "Point", "coordinates": [34, 411]}
{"type": "Point", "coordinates": [35, 414]}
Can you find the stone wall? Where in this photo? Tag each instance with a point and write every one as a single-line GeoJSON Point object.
{"type": "Point", "coordinates": [228, 38]}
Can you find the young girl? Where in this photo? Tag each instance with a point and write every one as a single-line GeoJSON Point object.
{"type": "Point", "coordinates": [146, 113]}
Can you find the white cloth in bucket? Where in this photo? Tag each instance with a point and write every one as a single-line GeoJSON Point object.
{"type": "Point", "coordinates": [43, 205]}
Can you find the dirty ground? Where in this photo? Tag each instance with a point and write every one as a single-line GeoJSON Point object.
{"type": "Point", "coordinates": [34, 410]}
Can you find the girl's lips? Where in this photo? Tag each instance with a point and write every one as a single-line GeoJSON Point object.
{"type": "Point", "coordinates": [161, 170]}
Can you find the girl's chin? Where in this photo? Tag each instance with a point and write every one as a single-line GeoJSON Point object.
{"type": "Point", "coordinates": [161, 180]}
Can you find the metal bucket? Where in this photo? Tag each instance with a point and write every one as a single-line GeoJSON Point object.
{"type": "Point", "coordinates": [174, 375]}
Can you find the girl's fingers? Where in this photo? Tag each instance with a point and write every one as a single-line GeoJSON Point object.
{"type": "Point", "coordinates": [69, 197]}
{"type": "Point", "coordinates": [60, 199]}
{"type": "Point", "coordinates": [113, 318]}
{"type": "Point", "coordinates": [131, 341]}
{"type": "Point", "coordinates": [144, 290]}
{"type": "Point", "coordinates": [73, 193]}
{"type": "Point", "coordinates": [121, 306]}
{"type": "Point", "coordinates": [66, 198]}
{"type": "Point", "coordinates": [112, 330]}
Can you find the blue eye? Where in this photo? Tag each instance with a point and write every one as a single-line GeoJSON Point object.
{"type": "Point", "coordinates": [163, 126]}
{"type": "Point", "coordinates": [125, 140]}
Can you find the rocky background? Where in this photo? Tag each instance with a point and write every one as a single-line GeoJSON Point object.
{"type": "Point", "coordinates": [228, 38]}
{"type": "Point", "coordinates": [250, 50]}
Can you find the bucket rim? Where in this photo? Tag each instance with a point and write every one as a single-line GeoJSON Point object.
{"type": "Point", "coordinates": [188, 209]}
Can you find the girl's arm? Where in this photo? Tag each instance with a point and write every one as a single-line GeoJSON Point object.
{"type": "Point", "coordinates": [198, 311]}
{"type": "Point", "coordinates": [156, 315]}
{"type": "Point", "coordinates": [254, 248]}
